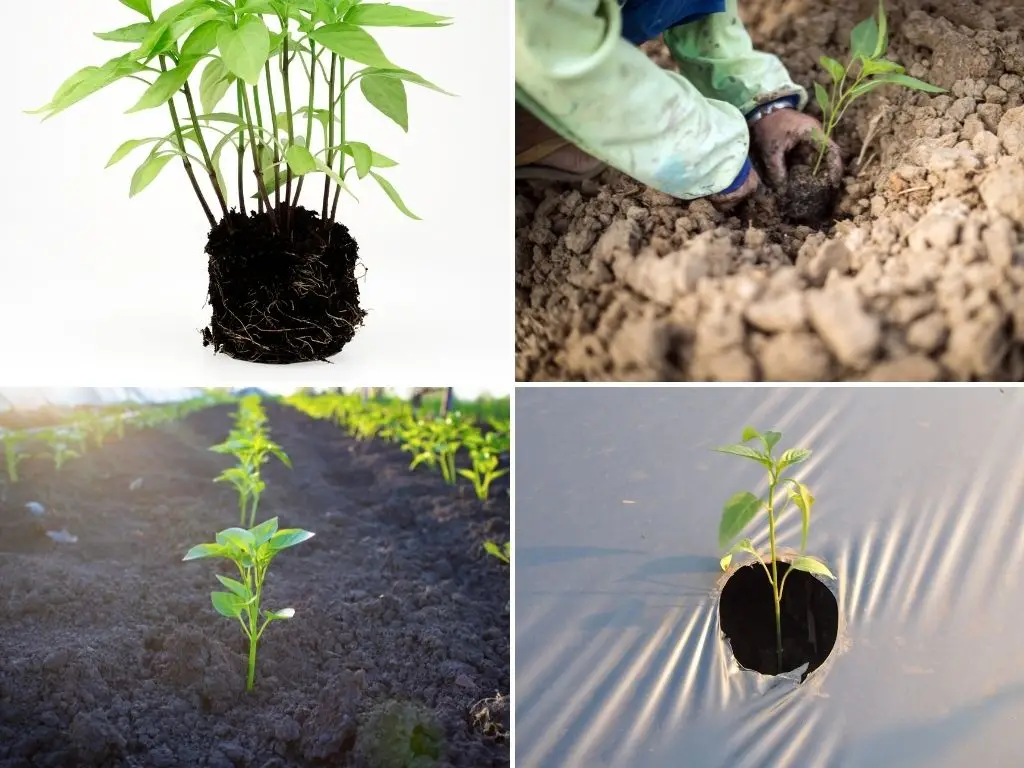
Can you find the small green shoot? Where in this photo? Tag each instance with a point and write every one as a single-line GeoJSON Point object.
{"type": "Point", "coordinates": [251, 551]}
{"type": "Point", "coordinates": [744, 506]}
{"type": "Point", "coordinates": [869, 42]}
{"type": "Point", "coordinates": [483, 451]}
{"type": "Point", "coordinates": [503, 553]}
{"type": "Point", "coordinates": [13, 454]}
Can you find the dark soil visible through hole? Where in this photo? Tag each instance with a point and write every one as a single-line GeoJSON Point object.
{"type": "Point", "coordinates": [280, 298]}
{"type": "Point", "coordinates": [810, 620]}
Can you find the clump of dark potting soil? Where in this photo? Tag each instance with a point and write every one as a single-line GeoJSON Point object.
{"type": "Point", "coordinates": [809, 199]}
{"type": "Point", "coordinates": [491, 717]}
{"type": "Point", "coordinates": [282, 297]}
{"type": "Point", "coordinates": [399, 734]}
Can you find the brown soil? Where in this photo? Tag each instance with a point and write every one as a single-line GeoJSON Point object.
{"type": "Point", "coordinates": [111, 654]}
{"type": "Point", "coordinates": [918, 276]}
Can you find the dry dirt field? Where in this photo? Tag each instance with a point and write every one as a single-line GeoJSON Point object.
{"type": "Point", "coordinates": [919, 277]}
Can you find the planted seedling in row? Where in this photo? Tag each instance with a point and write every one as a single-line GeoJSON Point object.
{"type": "Point", "coordinates": [58, 449]}
{"type": "Point", "coordinates": [744, 506]}
{"type": "Point", "coordinates": [258, 96]}
{"type": "Point", "coordinates": [503, 553]}
{"type": "Point", "coordinates": [13, 453]}
{"type": "Point", "coordinates": [484, 452]}
{"type": "Point", "coordinates": [251, 551]}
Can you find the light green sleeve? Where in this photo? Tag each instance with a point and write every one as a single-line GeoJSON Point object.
{"type": "Point", "coordinates": [718, 57]}
{"type": "Point", "coordinates": [576, 73]}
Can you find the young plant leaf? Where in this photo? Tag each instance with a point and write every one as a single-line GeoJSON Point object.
{"type": "Point", "coordinates": [363, 157]}
{"type": "Point", "coordinates": [402, 74]}
{"type": "Point", "coordinates": [204, 550]}
{"type": "Point", "coordinates": [883, 31]}
{"type": "Point", "coordinates": [262, 532]}
{"type": "Point", "coordinates": [793, 456]}
{"type": "Point", "coordinates": [835, 70]}
{"type": "Point", "coordinates": [771, 439]}
{"type": "Point", "coordinates": [351, 42]}
{"type": "Point", "coordinates": [133, 33]}
{"type": "Point", "coordinates": [245, 50]}
{"type": "Point", "coordinates": [214, 84]}
{"type": "Point", "coordinates": [392, 193]}
{"type": "Point", "coordinates": [236, 537]}
{"type": "Point", "coordinates": [203, 39]}
{"type": "Point", "coordinates": [300, 160]}
{"type": "Point", "coordinates": [284, 613]}
{"type": "Point", "coordinates": [388, 96]}
{"type": "Point", "coordinates": [148, 171]}
{"type": "Point", "coordinates": [811, 565]}
{"type": "Point", "coordinates": [377, 160]}
{"type": "Point", "coordinates": [739, 510]}
{"type": "Point", "coordinates": [235, 586]}
{"type": "Point", "coordinates": [821, 96]}
{"type": "Point", "coordinates": [881, 67]}
{"type": "Point", "coordinates": [801, 496]}
{"type": "Point", "coordinates": [165, 86]}
{"type": "Point", "coordinates": [288, 537]}
{"type": "Point", "coordinates": [125, 149]}
{"type": "Point", "coordinates": [864, 39]}
{"type": "Point", "coordinates": [145, 7]}
{"type": "Point", "coordinates": [908, 82]}
{"type": "Point", "coordinates": [742, 450]}
{"type": "Point", "coordinates": [742, 546]}
{"type": "Point", "coordinates": [227, 604]}
{"type": "Point", "coordinates": [385, 15]}
{"type": "Point", "coordinates": [749, 433]}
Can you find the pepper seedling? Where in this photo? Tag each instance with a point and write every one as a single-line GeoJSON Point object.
{"type": "Point", "coordinates": [869, 42]}
{"type": "Point", "coordinates": [483, 452]}
{"type": "Point", "coordinates": [251, 551]}
{"type": "Point", "coordinates": [744, 506]}
{"type": "Point", "coordinates": [503, 553]}
{"type": "Point", "coordinates": [13, 455]}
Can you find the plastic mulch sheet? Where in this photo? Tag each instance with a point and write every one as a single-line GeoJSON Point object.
{"type": "Point", "coordinates": [620, 657]}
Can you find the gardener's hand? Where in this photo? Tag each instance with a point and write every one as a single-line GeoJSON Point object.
{"type": "Point", "coordinates": [779, 132]}
{"type": "Point", "coordinates": [726, 202]}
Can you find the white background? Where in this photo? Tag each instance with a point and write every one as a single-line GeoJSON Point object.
{"type": "Point", "coordinates": [98, 289]}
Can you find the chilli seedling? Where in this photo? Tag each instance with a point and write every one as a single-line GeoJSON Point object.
{"type": "Point", "coordinates": [483, 451]}
{"type": "Point", "coordinates": [503, 553]}
{"type": "Point", "coordinates": [744, 506]}
{"type": "Point", "coordinates": [869, 42]}
{"type": "Point", "coordinates": [251, 551]}
{"type": "Point", "coordinates": [13, 455]}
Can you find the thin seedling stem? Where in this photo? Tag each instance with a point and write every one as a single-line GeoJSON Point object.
{"type": "Point", "coordinates": [291, 126]}
{"type": "Point", "coordinates": [205, 150]}
{"type": "Point", "coordinates": [341, 138]}
{"type": "Point", "coordinates": [273, 124]}
{"type": "Point", "coordinates": [187, 162]}
{"type": "Point", "coordinates": [241, 152]}
{"type": "Point", "coordinates": [264, 197]}
{"type": "Point", "coordinates": [259, 123]}
{"type": "Point", "coordinates": [330, 137]}
{"type": "Point", "coordinates": [775, 571]}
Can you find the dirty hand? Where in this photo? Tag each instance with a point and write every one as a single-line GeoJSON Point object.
{"type": "Point", "coordinates": [778, 132]}
{"type": "Point", "coordinates": [726, 202]}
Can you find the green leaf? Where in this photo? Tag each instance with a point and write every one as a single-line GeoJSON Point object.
{"type": "Point", "coordinates": [801, 496]}
{"type": "Point", "coordinates": [742, 450]}
{"type": "Point", "coordinates": [237, 537]}
{"type": "Point", "coordinates": [749, 433]}
{"type": "Point", "coordinates": [300, 160]}
{"type": "Point", "coordinates": [833, 67]}
{"type": "Point", "coordinates": [235, 586]}
{"type": "Point", "coordinates": [363, 157]}
{"type": "Point", "coordinates": [883, 30]}
{"type": "Point", "coordinates": [158, 40]}
{"type": "Point", "coordinates": [203, 39]}
{"type": "Point", "coordinates": [909, 82]}
{"type": "Point", "coordinates": [388, 96]}
{"type": "Point", "coordinates": [88, 81]}
{"type": "Point", "coordinates": [821, 96]}
{"type": "Point", "coordinates": [376, 160]}
{"type": "Point", "coordinates": [496, 551]}
{"type": "Point", "coordinates": [739, 510]}
{"type": "Point", "coordinates": [205, 550]}
{"type": "Point", "coordinates": [402, 74]}
{"type": "Point", "coordinates": [864, 39]}
{"type": "Point", "coordinates": [289, 537]}
{"type": "Point", "coordinates": [284, 613]}
{"type": "Point", "coordinates": [133, 33]}
{"type": "Point", "coordinates": [148, 171]}
{"type": "Point", "coordinates": [386, 15]}
{"type": "Point", "coordinates": [262, 532]}
{"type": "Point", "coordinates": [125, 149]}
{"type": "Point", "coordinates": [165, 86]}
{"type": "Point", "coordinates": [245, 50]}
{"type": "Point", "coordinates": [742, 546]}
{"type": "Point", "coordinates": [881, 66]}
{"type": "Point", "coordinates": [793, 456]}
{"type": "Point", "coordinates": [144, 7]}
{"type": "Point", "coordinates": [771, 439]}
{"type": "Point", "coordinates": [811, 565]}
{"type": "Point", "coordinates": [392, 193]}
{"type": "Point", "coordinates": [214, 84]}
{"type": "Point", "coordinates": [351, 42]}
{"type": "Point", "coordinates": [227, 604]}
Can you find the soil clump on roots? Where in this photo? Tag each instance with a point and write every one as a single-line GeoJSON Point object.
{"type": "Point", "coordinates": [917, 274]}
{"type": "Point", "coordinates": [280, 298]}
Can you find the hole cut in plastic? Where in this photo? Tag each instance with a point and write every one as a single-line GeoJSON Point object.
{"type": "Point", "coordinates": [810, 620]}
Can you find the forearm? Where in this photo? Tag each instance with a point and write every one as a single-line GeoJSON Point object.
{"type": "Point", "coordinates": [593, 87]}
{"type": "Point", "coordinates": [717, 55]}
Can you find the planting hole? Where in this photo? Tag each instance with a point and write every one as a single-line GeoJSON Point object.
{"type": "Point", "coordinates": [810, 620]}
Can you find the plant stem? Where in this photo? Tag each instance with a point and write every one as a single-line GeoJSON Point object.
{"type": "Point", "coordinates": [241, 152]}
{"type": "Point", "coordinates": [291, 128]}
{"type": "Point", "coordinates": [264, 197]}
{"type": "Point", "coordinates": [273, 124]}
{"type": "Point", "coordinates": [184, 158]}
{"type": "Point", "coordinates": [775, 572]}
{"type": "Point", "coordinates": [206, 152]}
{"type": "Point", "coordinates": [341, 139]}
{"type": "Point", "coordinates": [259, 122]}
{"type": "Point", "coordinates": [330, 136]}
{"type": "Point", "coordinates": [251, 675]}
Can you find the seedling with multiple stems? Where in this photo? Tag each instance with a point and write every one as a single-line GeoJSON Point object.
{"type": "Point", "coordinates": [250, 443]}
{"type": "Point", "coordinates": [484, 452]}
{"type": "Point", "coordinates": [251, 550]}
{"type": "Point", "coordinates": [866, 70]}
{"type": "Point", "coordinates": [744, 506]}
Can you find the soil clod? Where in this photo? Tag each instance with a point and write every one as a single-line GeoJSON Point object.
{"type": "Point", "coordinates": [809, 199]}
{"type": "Point", "coordinates": [282, 298]}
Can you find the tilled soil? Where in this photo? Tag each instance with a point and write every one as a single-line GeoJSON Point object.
{"type": "Point", "coordinates": [111, 654]}
{"type": "Point", "coordinates": [920, 277]}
